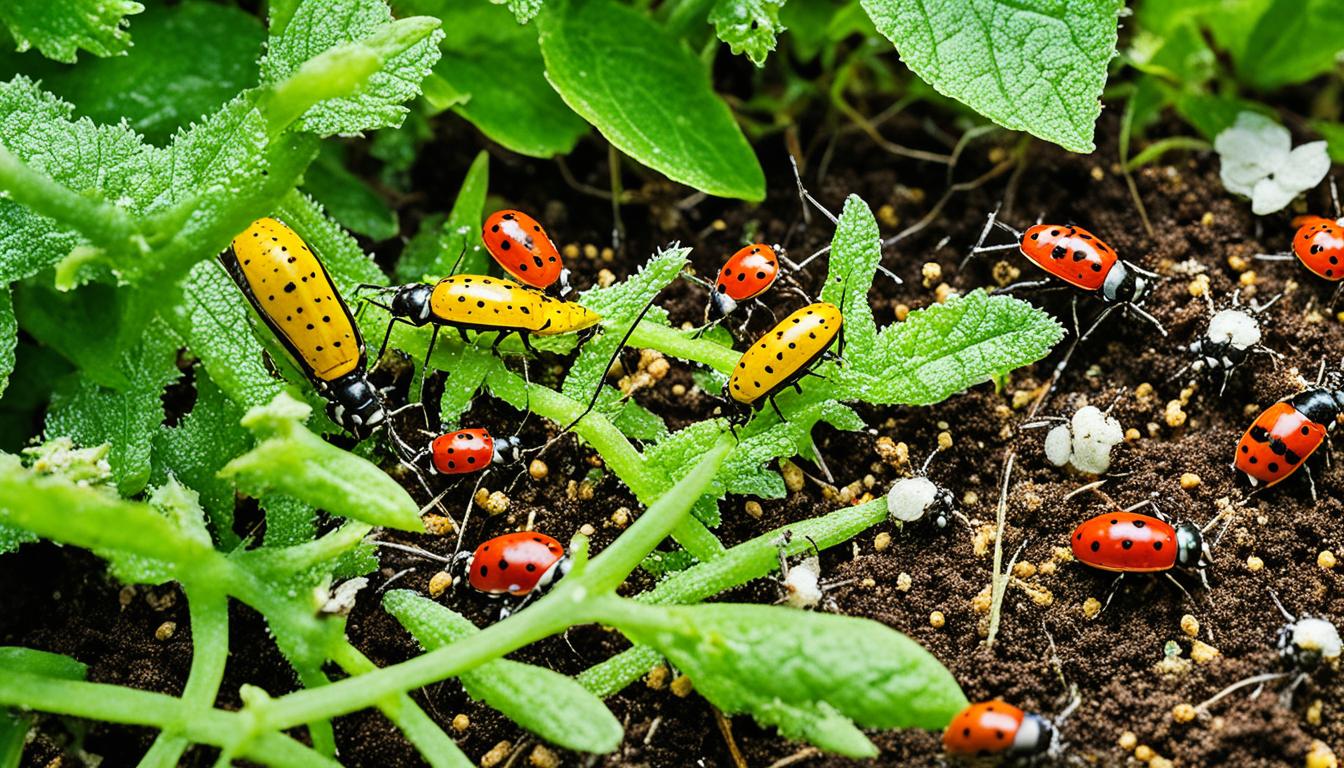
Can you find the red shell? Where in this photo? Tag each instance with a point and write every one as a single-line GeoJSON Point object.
{"type": "Point", "coordinates": [1297, 434]}
{"type": "Point", "coordinates": [522, 248]}
{"type": "Point", "coordinates": [986, 727]}
{"type": "Point", "coordinates": [462, 452]}
{"type": "Point", "coordinates": [1070, 253]}
{"type": "Point", "coordinates": [513, 563]}
{"type": "Point", "coordinates": [1319, 243]}
{"type": "Point", "coordinates": [749, 272]}
{"type": "Point", "coordinates": [1126, 541]}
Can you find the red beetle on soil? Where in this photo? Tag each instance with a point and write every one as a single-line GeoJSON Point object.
{"type": "Point", "coordinates": [997, 728]}
{"type": "Point", "coordinates": [471, 450]}
{"type": "Point", "coordinates": [522, 248]}
{"type": "Point", "coordinates": [1128, 542]}
{"type": "Point", "coordinates": [1319, 245]}
{"type": "Point", "coordinates": [1285, 434]}
{"type": "Point", "coordinates": [517, 564]}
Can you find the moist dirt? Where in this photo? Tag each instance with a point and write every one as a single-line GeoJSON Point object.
{"type": "Point", "coordinates": [63, 600]}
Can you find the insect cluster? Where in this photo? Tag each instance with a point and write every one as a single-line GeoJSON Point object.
{"type": "Point", "coordinates": [293, 295]}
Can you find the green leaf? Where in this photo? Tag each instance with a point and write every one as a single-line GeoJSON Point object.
{"type": "Point", "coordinates": [744, 471]}
{"type": "Point", "coordinates": [1292, 42]}
{"type": "Point", "coordinates": [946, 348]}
{"type": "Point", "coordinates": [180, 507]}
{"type": "Point", "coordinates": [492, 75]}
{"type": "Point", "coordinates": [188, 61]}
{"type": "Point", "coordinates": [748, 26]}
{"type": "Point", "coordinates": [127, 417]}
{"type": "Point", "coordinates": [28, 661]}
{"type": "Point", "coordinates": [9, 337]}
{"type": "Point", "coordinates": [37, 369]}
{"type": "Point", "coordinates": [291, 460]}
{"type": "Point", "coordinates": [637, 422]}
{"type": "Point", "coordinates": [1333, 133]}
{"type": "Point", "coordinates": [60, 28]}
{"type": "Point", "coordinates": [318, 25]}
{"type": "Point", "coordinates": [671, 458]}
{"type": "Point", "coordinates": [523, 10]}
{"type": "Point", "coordinates": [347, 198]}
{"type": "Point", "coordinates": [549, 704]}
{"type": "Point", "coordinates": [469, 370]}
{"type": "Point", "coordinates": [438, 244]}
{"type": "Point", "coordinates": [806, 673]}
{"type": "Point", "coordinates": [199, 446]}
{"type": "Point", "coordinates": [648, 95]}
{"type": "Point", "coordinates": [1033, 66]}
{"type": "Point", "coordinates": [1211, 114]}
{"type": "Point", "coordinates": [856, 250]}
{"type": "Point", "coordinates": [288, 521]}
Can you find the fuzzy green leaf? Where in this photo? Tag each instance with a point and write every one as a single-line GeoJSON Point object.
{"type": "Point", "coordinates": [60, 28]}
{"type": "Point", "coordinates": [181, 507]}
{"type": "Point", "coordinates": [127, 417]}
{"type": "Point", "coordinates": [347, 197]}
{"type": "Point", "coordinates": [856, 250]}
{"type": "Point", "coordinates": [671, 458]}
{"type": "Point", "coordinates": [199, 446]}
{"type": "Point", "coordinates": [492, 75]}
{"type": "Point", "coordinates": [291, 460]}
{"type": "Point", "coordinates": [9, 337]}
{"type": "Point", "coordinates": [32, 662]}
{"type": "Point", "coordinates": [523, 10]}
{"type": "Point", "coordinates": [637, 422]}
{"type": "Point", "coordinates": [469, 369]}
{"type": "Point", "coordinates": [318, 25]}
{"type": "Point", "coordinates": [547, 703]}
{"type": "Point", "coordinates": [288, 521]}
{"type": "Point", "coordinates": [1292, 42]}
{"type": "Point", "coordinates": [806, 673]}
{"type": "Point", "coordinates": [648, 95]}
{"type": "Point", "coordinates": [436, 247]}
{"type": "Point", "coordinates": [1036, 66]}
{"type": "Point", "coordinates": [744, 471]}
{"type": "Point", "coordinates": [748, 26]}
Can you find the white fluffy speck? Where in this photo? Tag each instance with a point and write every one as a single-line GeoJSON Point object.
{"type": "Point", "coordinates": [1085, 442]}
{"type": "Point", "coordinates": [342, 599]}
{"type": "Point", "coordinates": [910, 498]}
{"type": "Point", "coordinates": [802, 587]}
{"type": "Point", "coordinates": [1318, 635]}
{"type": "Point", "coordinates": [1236, 327]}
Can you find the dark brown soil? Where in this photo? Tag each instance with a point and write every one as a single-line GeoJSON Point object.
{"type": "Point", "coordinates": [66, 603]}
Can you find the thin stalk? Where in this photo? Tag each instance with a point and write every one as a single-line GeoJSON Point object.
{"type": "Point", "coordinates": [998, 585]}
{"type": "Point", "coordinates": [103, 223]}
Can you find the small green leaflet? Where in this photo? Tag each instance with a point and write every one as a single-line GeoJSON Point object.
{"type": "Point", "coordinates": [744, 471]}
{"type": "Point", "coordinates": [856, 250]}
{"type": "Point", "coordinates": [60, 28]}
{"type": "Point", "coordinates": [1033, 65]}
{"type": "Point", "coordinates": [549, 704]}
{"type": "Point", "coordinates": [180, 508]}
{"type": "Point", "coordinates": [647, 94]}
{"type": "Point", "coordinates": [469, 369]}
{"type": "Point", "coordinates": [1292, 42]}
{"type": "Point", "coordinates": [748, 26]}
{"type": "Point", "coordinates": [523, 10]}
{"type": "Point", "coordinates": [318, 25]}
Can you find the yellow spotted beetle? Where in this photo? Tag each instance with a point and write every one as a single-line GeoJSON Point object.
{"type": "Point", "coordinates": [292, 292]}
{"type": "Point", "coordinates": [782, 356]}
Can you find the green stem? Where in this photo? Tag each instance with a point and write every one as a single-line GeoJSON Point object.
{"type": "Point", "coordinates": [210, 650]}
{"type": "Point", "coordinates": [680, 344]}
{"type": "Point", "coordinates": [103, 223]}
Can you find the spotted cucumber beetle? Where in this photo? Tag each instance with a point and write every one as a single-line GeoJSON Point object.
{"type": "Point", "coordinates": [519, 245]}
{"type": "Point", "coordinates": [781, 356]}
{"type": "Point", "coordinates": [292, 292]}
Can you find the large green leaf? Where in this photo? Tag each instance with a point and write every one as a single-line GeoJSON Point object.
{"type": "Point", "coordinates": [1031, 65]}
{"type": "Point", "coordinates": [648, 95]}
{"type": "Point", "coordinates": [1292, 42]}
{"type": "Point", "coordinates": [59, 28]}
{"type": "Point", "coordinates": [9, 337]}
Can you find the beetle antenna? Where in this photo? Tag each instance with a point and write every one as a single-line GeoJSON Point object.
{"type": "Point", "coordinates": [1282, 610]}
{"type": "Point", "coordinates": [924, 470]}
{"type": "Point", "coordinates": [458, 260]}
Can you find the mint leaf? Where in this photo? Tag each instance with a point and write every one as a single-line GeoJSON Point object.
{"type": "Point", "coordinates": [549, 704]}
{"type": "Point", "coordinates": [318, 25]}
{"type": "Point", "coordinates": [648, 95]}
{"type": "Point", "coordinates": [435, 249]}
{"type": "Point", "coordinates": [856, 250]}
{"type": "Point", "coordinates": [1030, 66]}
{"type": "Point", "coordinates": [469, 368]}
{"type": "Point", "coordinates": [671, 458]}
{"type": "Point", "coordinates": [748, 26]}
{"type": "Point", "coordinates": [127, 417]}
{"type": "Point", "coordinates": [809, 674]}
{"type": "Point", "coordinates": [9, 337]}
{"type": "Point", "coordinates": [60, 28]}
{"type": "Point", "coordinates": [492, 75]}
{"type": "Point", "coordinates": [347, 197]}
{"type": "Point", "coordinates": [1292, 42]}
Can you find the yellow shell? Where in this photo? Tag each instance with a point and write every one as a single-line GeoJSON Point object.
{"type": "Point", "coordinates": [477, 301]}
{"type": "Point", "coordinates": [784, 351]}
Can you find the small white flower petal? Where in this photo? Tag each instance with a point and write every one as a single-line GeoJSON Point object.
{"type": "Point", "coordinates": [1269, 196]}
{"type": "Point", "coordinates": [1240, 178]}
{"type": "Point", "coordinates": [1255, 139]}
{"type": "Point", "coordinates": [1305, 168]}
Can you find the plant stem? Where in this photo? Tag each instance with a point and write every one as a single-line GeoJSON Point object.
{"type": "Point", "coordinates": [680, 344]}
{"type": "Point", "coordinates": [104, 224]}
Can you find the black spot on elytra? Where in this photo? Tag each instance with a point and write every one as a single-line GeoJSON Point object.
{"type": "Point", "coordinates": [1127, 544]}
{"type": "Point", "coordinates": [1096, 545]}
{"type": "Point", "coordinates": [290, 287]}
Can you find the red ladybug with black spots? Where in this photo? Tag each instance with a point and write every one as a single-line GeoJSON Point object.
{"type": "Point", "coordinates": [997, 728]}
{"type": "Point", "coordinates": [1128, 542]}
{"type": "Point", "coordinates": [521, 247]}
{"type": "Point", "coordinates": [747, 274]}
{"type": "Point", "coordinates": [471, 450]}
{"type": "Point", "coordinates": [1285, 434]}
{"type": "Point", "coordinates": [1319, 245]}
{"type": "Point", "coordinates": [517, 564]}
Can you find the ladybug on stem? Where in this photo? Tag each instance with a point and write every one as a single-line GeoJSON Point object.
{"type": "Point", "coordinates": [1286, 433]}
{"type": "Point", "coordinates": [997, 728]}
{"type": "Point", "coordinates": [519, 244]}
{"type": "Point", "coordinates": [781, 357]}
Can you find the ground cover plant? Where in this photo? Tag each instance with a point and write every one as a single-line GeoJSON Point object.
{"type": "Point", "coordinates": [203, 567]}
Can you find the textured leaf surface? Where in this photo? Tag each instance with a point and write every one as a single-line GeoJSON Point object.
{"type": "Point", "coordinates": [523, 10]}
{"type": "Point", "coordinates": [549, 704]}
{"type": "Point", "coordinates": [856, 250]}
{"type": "Point", "coordinates": [1292, 41]}
{"type": "Point", "coordinates": [806, 673]}
{"type": "Point", "coordinates": [744, 472]}
{"type": "Point", "coordinates": [61, 28]}
{"type": "Point", "coordinates": [318, 25]}
{"type": "Point", "coordinates": [648, 95]}
{"type": "Point", "coordinates": [1037, 65]}
{"type": "Point", "coordinates": [748, 26]}
{"type": "Point", "coordinates": [9, 337]}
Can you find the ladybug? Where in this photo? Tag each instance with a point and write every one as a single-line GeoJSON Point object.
{"type": "Point", "coordinates": [1319, 245]}
{"type": "Point", "coordinates": [521, 247]}
{"type": "Point", "coordinates": [747, 274]}
{"type": "Point", "coordinates": [471, 450]}
{"type": "Point", "coordinates": [1129, 542]}
{"type": "Point", "coordinates": [782, 356]}
{"type": "Point", "coordinates": [1285, 434]}
{"type": "Point", "coordinates": [292, 292]}
{"type": "Point", "coordinates": [517, 564]}
{"type": "Point", "coordinates": [997, 728]}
